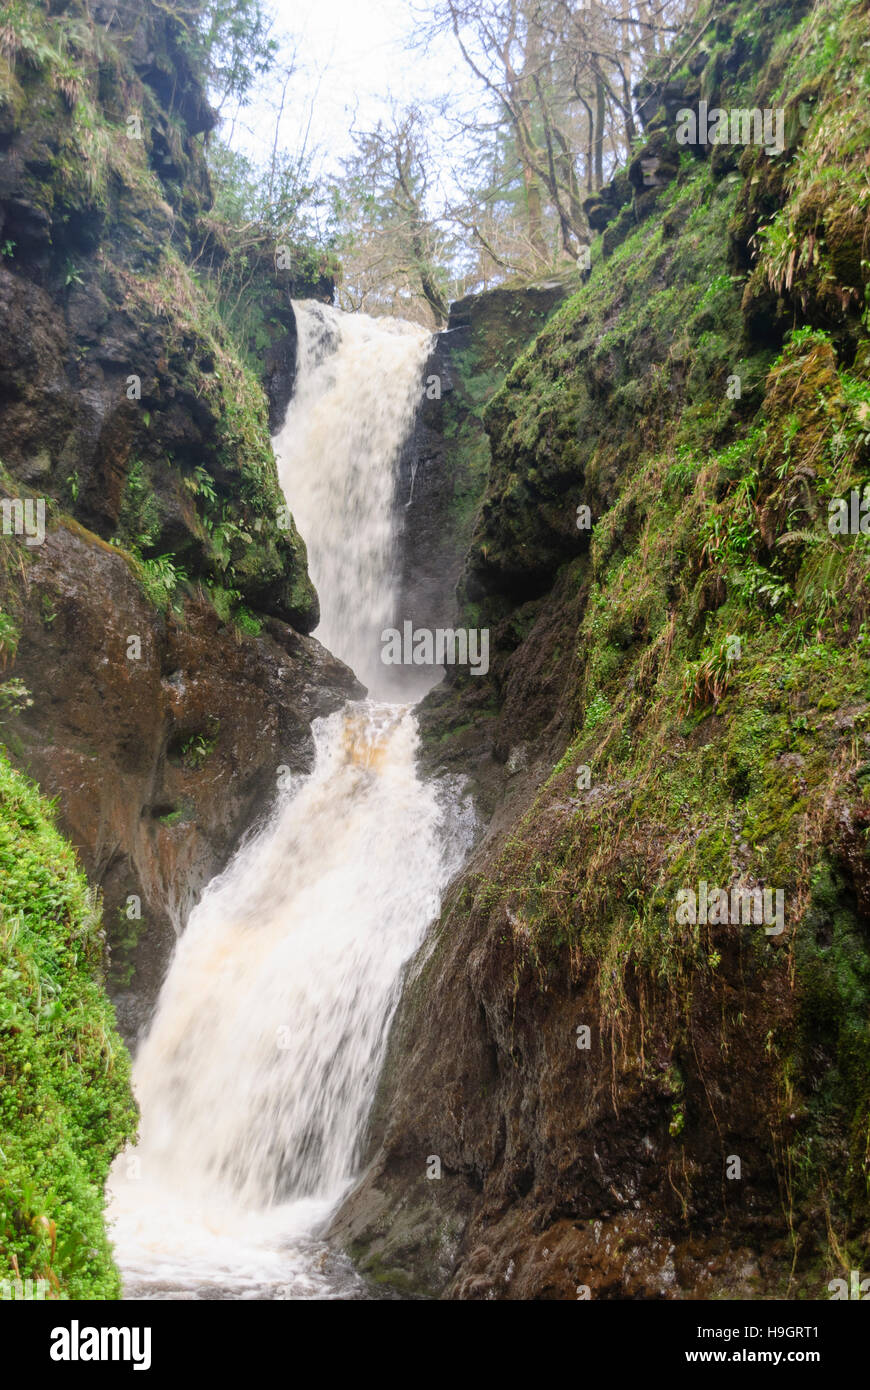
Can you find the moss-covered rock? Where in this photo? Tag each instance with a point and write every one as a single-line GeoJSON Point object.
{"type": "Point", "coordinates": [66, 1108]}
{"type": "Point", "coordinates": [116, 358]}
{"type": "Point", "coordinates": [444, 467]}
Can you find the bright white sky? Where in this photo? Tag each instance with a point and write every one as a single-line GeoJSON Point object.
{"type": "Point", "coordinates": [351, 55]}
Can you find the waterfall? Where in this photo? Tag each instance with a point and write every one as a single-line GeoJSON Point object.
{"type": "Point", "coordinates": [359, 382]}
{"type": "Point", "coordinates": [260, 1066]}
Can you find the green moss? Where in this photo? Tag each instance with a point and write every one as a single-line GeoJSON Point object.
{"type": "Point", "coordinates": [65, 1102]}
{"type": "Point", "coordinates": [722, 695]}
{"type": "Point", "coordinates": [72, 86]}
{"type": "Point", "coordinates": [251, 541]}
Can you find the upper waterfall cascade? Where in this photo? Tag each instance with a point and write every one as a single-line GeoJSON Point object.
{"type": "Point", "coordinates": [359, 383]}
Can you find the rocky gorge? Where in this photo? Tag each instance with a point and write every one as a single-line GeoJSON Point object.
{"type": "Point", "coordinates": [619, 1102]}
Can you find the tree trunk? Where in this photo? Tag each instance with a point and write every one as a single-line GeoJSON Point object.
{"type": "Point", "coordinates": [598, 143]}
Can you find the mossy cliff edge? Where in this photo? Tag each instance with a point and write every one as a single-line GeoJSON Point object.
{"type": "Point", "coordinates": [679, 696]}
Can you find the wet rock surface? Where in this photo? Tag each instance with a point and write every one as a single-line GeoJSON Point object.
{"type": "Point", "coordinates": [162, 760]}
{"type": "Point", "coordinates": [443, 469]}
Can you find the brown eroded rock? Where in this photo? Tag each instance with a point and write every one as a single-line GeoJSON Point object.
{"type": "Point", "coordinates": [160, 761]}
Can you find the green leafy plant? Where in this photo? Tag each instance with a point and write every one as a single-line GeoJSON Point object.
{"type": "Point", "coordinates": [706, 681]}
{"type": "Point", "coordinates": [193, 750]}
{"type": "Point", "coordinates": [14, 697]}
{"type": "Point", "coordinates": [201, 484]}
{"type": "Point", "coordinates": [9, 635]}
{"type": "Point", "coordinates": [596, 711]}
{"type": "Point", "coordinates": [139, 517]}
{"type": "Point", "coordinates": [161, 578]}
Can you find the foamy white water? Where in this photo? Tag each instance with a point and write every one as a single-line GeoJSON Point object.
{"type": "Point", "coordinates": [259, 1069]}
{"type": "Point", "coordinates": [359, 383]}
{"type": "Point", "coordinates": [256, 1077]}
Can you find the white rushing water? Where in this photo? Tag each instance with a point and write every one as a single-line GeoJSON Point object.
{"type": "Point", "coordinates": [358, 386]}
{"type": "Point", "coordinates": [256, 1077]}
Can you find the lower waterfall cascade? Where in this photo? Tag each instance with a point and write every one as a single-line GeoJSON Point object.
{"type": "Point", "coordinates": [259, 1068]}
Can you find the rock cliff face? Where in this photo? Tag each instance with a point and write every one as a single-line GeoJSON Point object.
{"type": "Point", "coordinates": [162, 619]}
{"type": "Point", "coordinates": [161, 734]}
{"type": "Point", "coordinates": [442, 474]}
{"type": "Point", "coordinates": [627, 1093]}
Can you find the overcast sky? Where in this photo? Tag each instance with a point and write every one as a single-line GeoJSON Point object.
{"type": "Point", "coordinates": [352, 55]}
